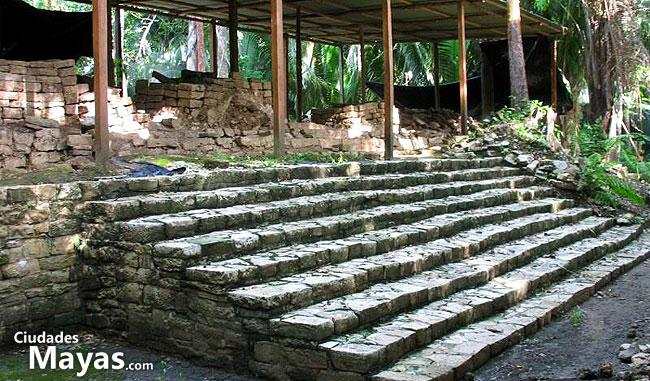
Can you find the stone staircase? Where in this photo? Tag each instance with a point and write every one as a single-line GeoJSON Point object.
{"type": "Point", "coordinates": [413, 270]}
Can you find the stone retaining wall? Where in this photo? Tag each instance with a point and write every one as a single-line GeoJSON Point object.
{"type": "Point", "coordinates": [38, 234]}
{"type": "Point", "coordinates": [43, 241]}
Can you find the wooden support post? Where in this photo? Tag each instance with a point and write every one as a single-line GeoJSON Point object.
{"type": "Point", "coordinates": [119, 50]}
{"type": "Point", "coordinates": [436, 73]}
{"type": "Point", "coordinates": [298, 67]}
{"type": "Point", "coordinates": [362, 51]}
{"type": "Point", "coordinates": [233, 39]}
{"type": "Point", "coordinates": [487, 84]}
{"type": "Point", "coordinates": [279, 80]}
{"type": "Point", "coordinates": [462, 67]}
{"type": "Point", "coordinates": [215, 49]}
{"type": "Point", "coordinates": [341, 74]}
{"type": "Point", "coordinates": [100, 53]}
{"type": "Point", "coordinates": [389, 98]}
{"type": "Point", "coordinates": [554, 95]}
{"type": "Point", "coordinates": [109, 46]}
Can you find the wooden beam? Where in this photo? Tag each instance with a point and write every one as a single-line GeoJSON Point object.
{"type": "Point", "coordinates": [436, 73]}
{"type": "Point", "coordinates": [389, 96]}
{"type": "Point", "coordinates": [215, 50]}
{"type": "Point", "coordinates": [362, 52]}
{"type": "Point", "coordinates": [298, 68]}
{"type": "Point", "coordinates": [279, 80]}
{"type": "Point", "coordinates": [119, 50]}
{"type": "Point", "coordinates": [462, 67]}
{"type": "Point", "coordinates": [341, 74]}
{"type": "Point", "coordinates": [554, 93]}
{"type": "Point", "coordinates": [100, 54]}
{"type": "Point", "coordinates": [233, 39]}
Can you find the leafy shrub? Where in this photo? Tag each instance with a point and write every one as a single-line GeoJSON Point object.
{"type": "Point", "coordinates": [602, 186]}
{"type": "Point", "coordinates": [520, 118]}
{"type": "Point", "coordinates": [518, 114]}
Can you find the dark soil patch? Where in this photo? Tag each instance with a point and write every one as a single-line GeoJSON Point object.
{"type": "Point", "coordinates": [568, 345]}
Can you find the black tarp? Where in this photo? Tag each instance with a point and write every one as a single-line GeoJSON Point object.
{"type": "Point", "coordinates": [31, 34]}
{"type": "Point", "coordinates": [538, 63]}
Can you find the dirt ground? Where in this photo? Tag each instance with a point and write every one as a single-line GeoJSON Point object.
{"type": "Point", "coordinates": [619, 314]}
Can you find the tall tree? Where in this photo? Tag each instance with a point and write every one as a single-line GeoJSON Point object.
{"type": "Point", "coordinates": [614, 53]}
{"type": "Point", "coordinates": [195, 46]}
{"type": "Point", "coordinates": [517, 61]}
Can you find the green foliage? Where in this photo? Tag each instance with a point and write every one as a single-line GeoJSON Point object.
{"type": "Point", "coordinates": [577, 316]}
{"type": "Point", "coordinates": [604, 187]}
{"type": "Point", "coordinates": [630, 161]}
{"type": "Point", "coordinates": [592, 139]}
{"type": "Point", "coordinates": [519, 114]}
{"type": "Point", "coordinates": [597, 179]}
{"type": "Point", "coordinates": [521, 119]}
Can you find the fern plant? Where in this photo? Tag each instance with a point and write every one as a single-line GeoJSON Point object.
{"type": "Point", "coordinates": [604, 187]}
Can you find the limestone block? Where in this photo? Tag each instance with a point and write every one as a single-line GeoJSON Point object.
{"type": "Point", "coordinates": [14, 162]}
{"type": "Point", "coordinates": [12, 113]}
{"type": "Point", "coordinates": [23, 141]}
{"type": "Point", "coordinates": [43, 159]}
{"type": "Point", "coordinates": [48, 87]}
{"type": "Point", "coordinates": [20, 268]}
{"type": "Point", "coordinates": [84, 142]}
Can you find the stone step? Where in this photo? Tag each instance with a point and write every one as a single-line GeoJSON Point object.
{"type": "Point", "coordinates": [428, 165]}
{"type": "Point", "coordinates": [358, 274]}
{"type": "Point", "coordinates": [234, 243]}
{"type": "Point", "coordinates": [377, 346]}
{"type": "Point", "coordinates": [203, 221]}
{"type": "Point", "coordinates": [127, 208]}
{"type": "Point", "coordinates": [345, 314]}
{"type": "Point", "coordinates": [452, 356]}
{"type": "Point", "coordinates": [268, 265]}
{"type": "Point", "coordinates": [111, 188]}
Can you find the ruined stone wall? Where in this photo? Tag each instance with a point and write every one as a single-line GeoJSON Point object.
{"type": "Point", "coordinates": [36, 143]}
{"type": "Point", "coordinates": [45, 89]}
{"type": "Point", "coordinates": [190, 98]}
{"type": "Point", "coordinates": [38, 234]}
{"type": "Point", "coordinates": [48, 118]}
{"type": "Point", "coordinates": [415, 130]}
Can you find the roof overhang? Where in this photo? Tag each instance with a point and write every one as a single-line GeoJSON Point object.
{"type": "Point", "coordinates": [341, 22]}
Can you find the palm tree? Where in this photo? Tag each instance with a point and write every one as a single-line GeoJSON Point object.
{"type": "Point", "coordinates": [517, 61]}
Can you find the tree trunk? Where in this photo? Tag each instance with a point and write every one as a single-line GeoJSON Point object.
{"type": "Point", "coordinates": [613, 53]}
{"type": "Point", "coordinates": [195, 46]}
{"type": "Point", "coordinates": [517, 61]}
